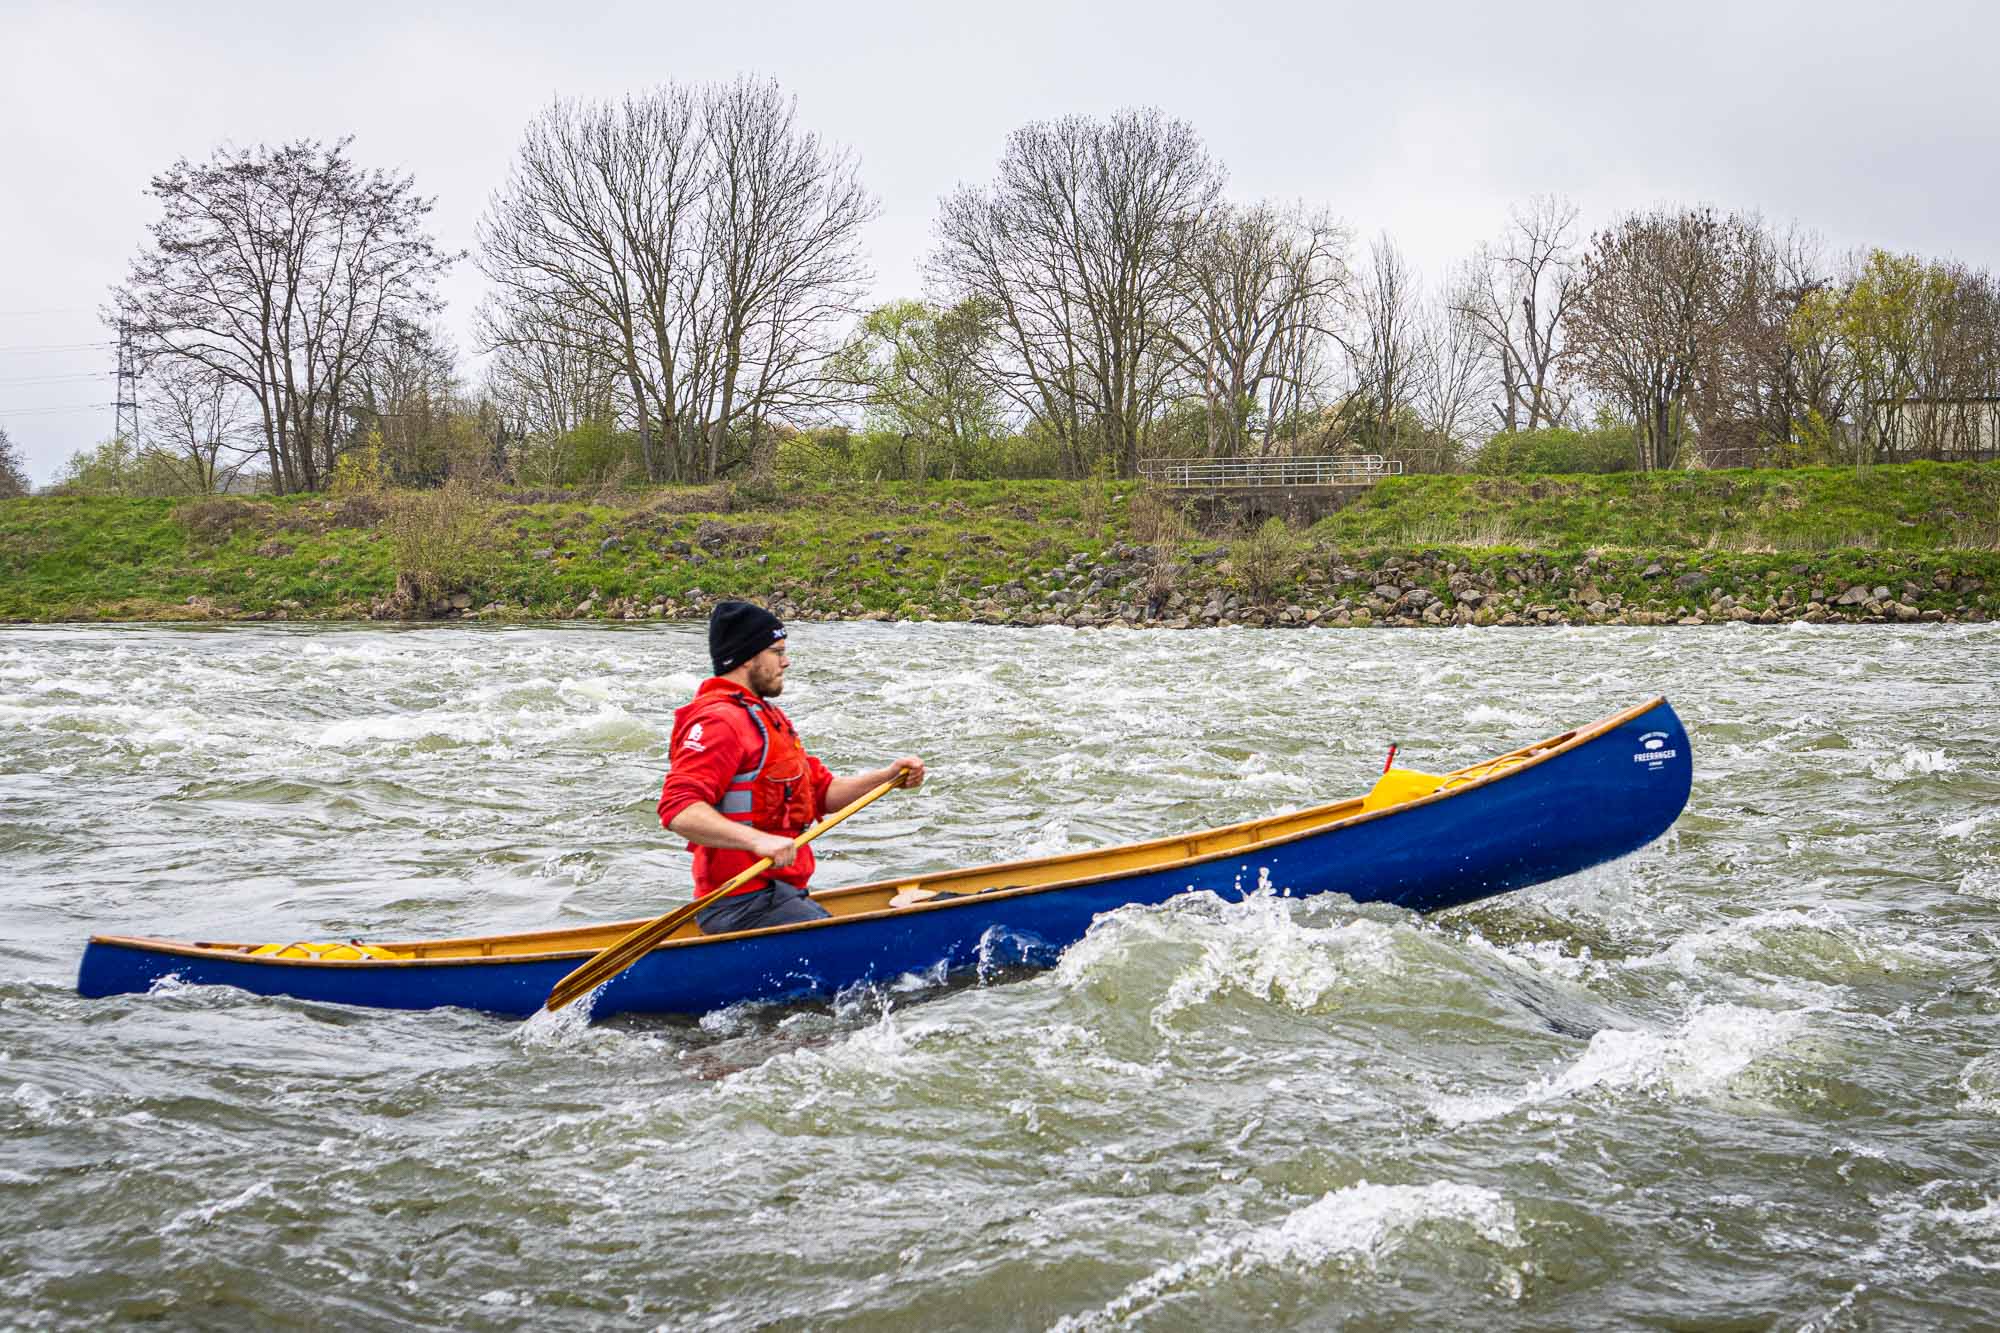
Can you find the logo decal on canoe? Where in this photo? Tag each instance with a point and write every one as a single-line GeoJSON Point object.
{"type": "Point", "coordinates": [1653, 751]}
{"type": "Point", "coordinates": [692, 741]}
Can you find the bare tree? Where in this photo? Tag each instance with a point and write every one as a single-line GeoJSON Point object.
{"type": "Point", "coordinates": [697, 239]}
{"type": "Point", "coordinates": [1661, 291]}
{"type": "Point", "coordinates": [1456, 379]}
{"type": "Point", "coordinates": [1954, 365]}
{"type": "Point", "coordinates": [1075, 246]}
{"type": "Point", "coordinates": [784, 217]}
{"type": "Point", "coordinates": [591, 245]}
{"type": "Point", "coordinates": [1820, 361]}
{"type": "Point", "coordinates": [277, 269]}
{"type": "Point", "coordinates": [407, 392]}
{"type": "Point", "coordinates": [1760, 383]}
{"type": "Point", "coordinates": [1260, 291]}
{"type": "Point", "coordinates": [197, 424]}
{"type": "Point", "coordinates": [1518, 294]}
{"type": "Point", "coordinates": [1387, 348]}
{"type": "Point", "coordinates": [548, 385]}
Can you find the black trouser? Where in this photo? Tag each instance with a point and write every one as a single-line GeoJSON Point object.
{"type": "Point", "coordinates": [776, 904]}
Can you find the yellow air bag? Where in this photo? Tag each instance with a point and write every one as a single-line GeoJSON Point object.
{"type": "Point", "coordinates": [1399, 785]}
{"type": "Point", "coordinates": [325, 953]}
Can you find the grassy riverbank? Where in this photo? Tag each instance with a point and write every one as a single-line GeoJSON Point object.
{"type": "Point", "coordinates": [1892, 543]}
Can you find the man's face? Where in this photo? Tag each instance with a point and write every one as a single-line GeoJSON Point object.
{"type": "Point", "coordinates": [767, 671]}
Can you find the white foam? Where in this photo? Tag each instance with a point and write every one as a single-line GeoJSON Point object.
{"type": "Point", "coordinates": [681, 685]}
{"type": "Point", "coordinates": [383, 727]}
{"type": "Point", "coordinates": [598, 688]}
{"type": "Point", "coordinates": [1715, 1045]}
{"type": "Point", "coordinates": [1486, 714]}
{"type": "Point", "coordinates": [1911, 763]}
{"type": "Point", "coordinates": [1258, 949]}
{"type": "Point", "coordinates": [558, 1029]}
{"type": "Point", "coordinates": [70, 685]}
{"type": "Point", "coordinates": [43, 1107]}
{"type": "Point", "coordinates": [1808, 939]}
{"type": "Point", "coordinates": [201, 1217]}
{"type": "Point", "coordinates": [1981, 882]}
{"type": "Point", "coordinates": [1980, 1081]}
{"type": "Point", "coordinates": [1969, 828]}
{"type": "Point", "coordinates": [1927, 1238]}
{"type": "Point", "coordinates": [1361, 1224]}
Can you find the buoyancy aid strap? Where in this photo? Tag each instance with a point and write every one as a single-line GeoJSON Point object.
{"type": "Point", "coordinates": [738, 800]}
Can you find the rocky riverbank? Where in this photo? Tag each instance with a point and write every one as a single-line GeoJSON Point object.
{"type": "Point", "coordinates": [1029, 553]}
{"type": "Point", "coordinates": [1124, 585]}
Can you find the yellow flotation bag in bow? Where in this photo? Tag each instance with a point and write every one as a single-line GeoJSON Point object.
{"type": "Point", "coordinates": [351, 952]}
{"type": "Point", "coordinates": [1399, 785]}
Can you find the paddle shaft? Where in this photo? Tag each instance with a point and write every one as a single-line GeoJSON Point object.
{"type": "Point", "coordinates": [609, 962]}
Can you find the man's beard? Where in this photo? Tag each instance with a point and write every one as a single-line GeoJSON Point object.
{"type": "Point", "coordinates": [768, 685]}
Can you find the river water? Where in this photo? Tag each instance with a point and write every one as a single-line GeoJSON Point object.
{"type": "Point", "coordinates": [1749, 1077]}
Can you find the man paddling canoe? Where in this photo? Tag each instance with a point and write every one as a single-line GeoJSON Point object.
{"type": "Point", "coordinates": [741, 786]}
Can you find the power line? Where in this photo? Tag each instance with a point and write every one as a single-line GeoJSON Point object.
{"type": "Point", "coordinates": [51, 411]}
{"type": "Point", "coordinates": [60, 347]}
{"type": "Point", "coordinates": [59, 310]}
{"type": "Point", "coordinates": [58, 379]}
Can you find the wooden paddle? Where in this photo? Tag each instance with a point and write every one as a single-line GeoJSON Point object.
{"type": "Point", "coordinates": [609, 962]}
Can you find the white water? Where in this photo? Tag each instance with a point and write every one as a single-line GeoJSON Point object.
{"type": "Point", "coordinates": [1750, 1075]}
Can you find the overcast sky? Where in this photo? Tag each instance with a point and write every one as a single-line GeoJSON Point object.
{"type": "Point", "coordinates": [1875, 124]}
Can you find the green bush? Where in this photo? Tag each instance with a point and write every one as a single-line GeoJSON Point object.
{"type": "Point", "coordinates": [840, 455]}
{"type": "Point", "coordinates": [440, 539]}
{"type": "Point", "coordinates": [115, 467]}
{"type": "Point", "coordinates": [1555, 449]}
{"type": "Point", "coordinates": [1265, 559]}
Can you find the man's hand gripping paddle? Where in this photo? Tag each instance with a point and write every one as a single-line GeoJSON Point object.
{"type": "Point", "coordinates": [603, 966]}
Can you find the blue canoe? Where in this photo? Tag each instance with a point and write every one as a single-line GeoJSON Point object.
{"type": "Point", "coordinates": [1419, 841]}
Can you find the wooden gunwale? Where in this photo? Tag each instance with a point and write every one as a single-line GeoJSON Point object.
{"type": "Point", "coordinates": [1310, 822]}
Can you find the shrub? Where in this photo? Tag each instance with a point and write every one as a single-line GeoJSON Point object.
{"type": "Point", "coordinates": [216, 520]}
{"type": "Point", "coordinates": [1093, 499]}
{"type": "Point", "coordinates": [439, 539]}
{"type": "Point", "coordinates": [1164, 528]}
{"type": "Point", "coordinates": [758, 492]}
{"type": "Point", "coordinates": [117, 468]}
{"type": "Point", "coordinates": [1156, 517]}
{"type": "Point", "coordinates": [717, 499]}
{"type": "Point", "coordinates": [1265, 559]}
{"type": "Point", "coordinates": [1555, 449]}
{"type": "Point", "coordinates": [359, 470]}
{"type": "Point", "coordinates": [360, 511]}
{"type": "Point", "coordinates": [813, 455]}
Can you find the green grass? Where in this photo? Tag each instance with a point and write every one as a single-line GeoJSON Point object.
{"type": "Point", "coordinates": [97, 558]}
{"type": "Point", "coordinates": [835, 549]}
{"type": "Point", "coordinates": [1914, 506]}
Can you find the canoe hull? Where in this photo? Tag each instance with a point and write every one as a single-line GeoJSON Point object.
{"type": "Point", "coordinates": [1564, 812]}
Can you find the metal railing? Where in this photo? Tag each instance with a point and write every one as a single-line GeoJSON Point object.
{"type": "Point", "coordinates": [1221, 473]}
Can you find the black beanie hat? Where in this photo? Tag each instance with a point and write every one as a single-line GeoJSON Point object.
{"type": "Point", "coordinates": [738, 631]}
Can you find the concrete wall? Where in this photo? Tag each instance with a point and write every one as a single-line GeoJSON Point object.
{"type": "Point", "coordinates": [1243, 507]}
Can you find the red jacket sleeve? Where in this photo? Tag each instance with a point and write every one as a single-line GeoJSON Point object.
{"type": "Point", "coordinates": [700, 764]}
{"type": "Point", "coordinates": [822, 778]}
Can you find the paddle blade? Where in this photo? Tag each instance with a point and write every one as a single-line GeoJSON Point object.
{"type": "Point", "coordinates": [602, 967]}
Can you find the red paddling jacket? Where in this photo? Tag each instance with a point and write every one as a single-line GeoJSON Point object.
{"type": "Point", "coordinates": [741, 755]}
